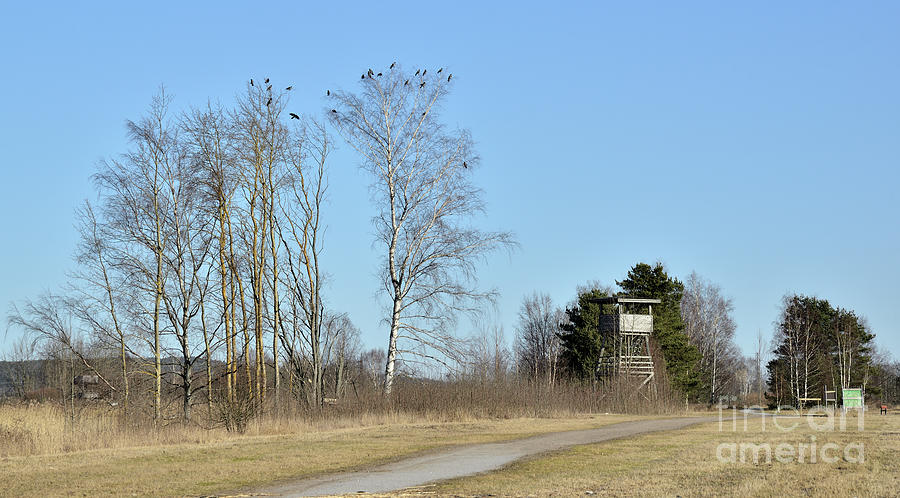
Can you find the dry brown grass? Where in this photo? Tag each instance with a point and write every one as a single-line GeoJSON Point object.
{"type": "Point", "coordinates": [182, 460]}
{"type": "Point", "coordinates": [685, 463]}
{"type": "Point", "coordinates": [50, 427]}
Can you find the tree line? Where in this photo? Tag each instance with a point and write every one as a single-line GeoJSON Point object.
{"type": "Point", "coordinates": [200, 264]}
{"type": "Point", "coordinates": [693, 334]}
{"type": "Point", "coordinates": [814, 345]}
{"type": "Point", "coordinates": [819, 346]}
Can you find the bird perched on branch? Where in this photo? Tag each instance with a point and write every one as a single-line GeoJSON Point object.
{"type": "Point", "coordinates": [267, 80]}
{"type": "Point", "coordinates": [328, 93]}
{"type": "Point", "coordinates": [417, 72]}
{"type": "Point", "coordinates": [251, 82]}
{"type": "Point", "coordinates": [421, 84]}
{"type": "Point", "coordinates": [423, 73]}
{"type": "Point", "coordinates": [379, 74]}
{"type": "Point", "coordinates": [289, 88]}
{"type": "Point", "coordinates": [465, 165]}
{"type": "Point", "coordinates": [334, 111]}
{"type": "Point", "coordinates": [269, 88]}
{"type": "Point", "coordinates": [294, 116]}
{"type": "Point", "coordinates": [363, 76]}
{"type": "Point", "coordinates": [269, 102]}
{"type": "Point", "coordinates": [370, 73]}
{"type": "Point", "coordinates": [439, 70]}
{"type": "Point", "coordinates": [448, 77]}
{"type": "Point", "coordinates": [406, 82]}
{"type": "Point", "coordinates": [392, 65]}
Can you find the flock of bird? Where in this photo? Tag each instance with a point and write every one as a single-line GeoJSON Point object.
{"type": "Point", "coordinates": [371, 74]}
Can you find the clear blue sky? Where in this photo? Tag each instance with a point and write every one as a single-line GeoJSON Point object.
{"type": "Point", "coordinates": [758, 145]}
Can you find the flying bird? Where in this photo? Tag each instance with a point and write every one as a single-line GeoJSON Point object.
{"type": "Point", "coordinates": [392, 65]}
{"type": "Point", "coordinates": [289, 88]}
{"type": "Point", "coordinates": [294, 116]}
{"type": "Point", "coordinates": [448, 77]}
{"type": "Point", "coordinates": [439, 70]}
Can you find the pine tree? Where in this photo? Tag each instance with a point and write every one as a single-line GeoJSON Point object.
{"type": "Point", "coordinates": [682, 358]}
{"type": "Point", "coordinates": [580, 338]}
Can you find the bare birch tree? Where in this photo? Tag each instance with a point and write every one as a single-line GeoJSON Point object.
{"type": "Point", "coordinates": [135, 205]}
{"type": "Point", "coordinates": [100, 294]}
{"type": "Point", "coordinates": [186, 257]}
{"type": "Point", "coordinates": [709, 324]}
{"type": "Point", "coordinates": [424, 197]}
{"type": "Point", "coordinates": [537, 340]}
{"type": "Point", "coordinates": [301, 230]}
{"type": "Point", "coordinates": [210, 137]}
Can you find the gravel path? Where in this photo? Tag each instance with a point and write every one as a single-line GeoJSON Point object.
{"type": "Point", "coordinates": [466, 460]}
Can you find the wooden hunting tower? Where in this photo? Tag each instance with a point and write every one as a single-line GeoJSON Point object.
{"type": "Point", "coordinates": [625, 337]}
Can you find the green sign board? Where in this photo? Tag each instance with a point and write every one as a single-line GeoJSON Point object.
{"type": "Point", "coordinates": [853, 398]}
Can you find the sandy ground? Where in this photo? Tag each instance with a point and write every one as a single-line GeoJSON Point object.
{"type": "Point", "coordinates": [466, 460]}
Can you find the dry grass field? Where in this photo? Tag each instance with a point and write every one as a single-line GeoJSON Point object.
{"type": "Point", "coordinates": [686, 463]}
{"type": "Point", "coordinates": [41, 456]}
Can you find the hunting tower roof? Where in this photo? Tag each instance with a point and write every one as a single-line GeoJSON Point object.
{"type": "Point", "coordinates": [619, 300]}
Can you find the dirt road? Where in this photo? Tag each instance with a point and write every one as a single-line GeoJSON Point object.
{"type": "Point", "coordinates": [466, 460]}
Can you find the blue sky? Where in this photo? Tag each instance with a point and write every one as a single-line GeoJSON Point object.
{"type": "Point", "coordinates": [758, 145]}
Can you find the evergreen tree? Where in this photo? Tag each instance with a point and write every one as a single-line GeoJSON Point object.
{"type": "Point", "coordinates": [682, 358]}
{"type": "Point", "coordinates": [581, 341]}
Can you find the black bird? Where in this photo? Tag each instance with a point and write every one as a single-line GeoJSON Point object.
{"type": "Point", "coordinates": [392, 65]}
{"type": "Point", "coordinates": [334, 111]}
{"type": "Point", "coordinates": [363, 76]}
{"type": "Point", "coordinates": [406, 83]}
{"type": "Point", "coordinates": [417, 72]}
{"type": "Point", "coordinates": [448, 77]}
{"type": "Point", "coordinates": [379, 74]}
{"type": "Point", "coordinates": [269, 88]}
{"type": "Point", "coordinates": [423, 73]}
{"type": "Point", "coordinates": [269, 102]}
{"type": "Point", "coordinates": [251, 82]}
{"type": "Point", "coordinates": [294, 116]}
{"type": "Point", "coordinates": [267, 80]}
{"type": "Point", "coordinates": [328, 93]}
{"type": "Point", "coordinates": [465, 165]}
{"type": "Point", "coordinates": [371, 72]}
{"type": "Point", "coordinates": [289, 88]}
{"type": "Point", "coordinates": [421, 84]}
{"type": "Point", "coordinates": [439, 70]}
{"type": "Point", "coordinates": [423, 113]}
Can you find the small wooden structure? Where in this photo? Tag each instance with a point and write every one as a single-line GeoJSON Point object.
{"type": "Point", "coordinates": [804, 401]}
{"type": "Point", "coordinates": [625, 337]}
{"type": "Point", "coordinates": [830, 399]}
{"type": "Point", "coordinates": [88, 386]}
